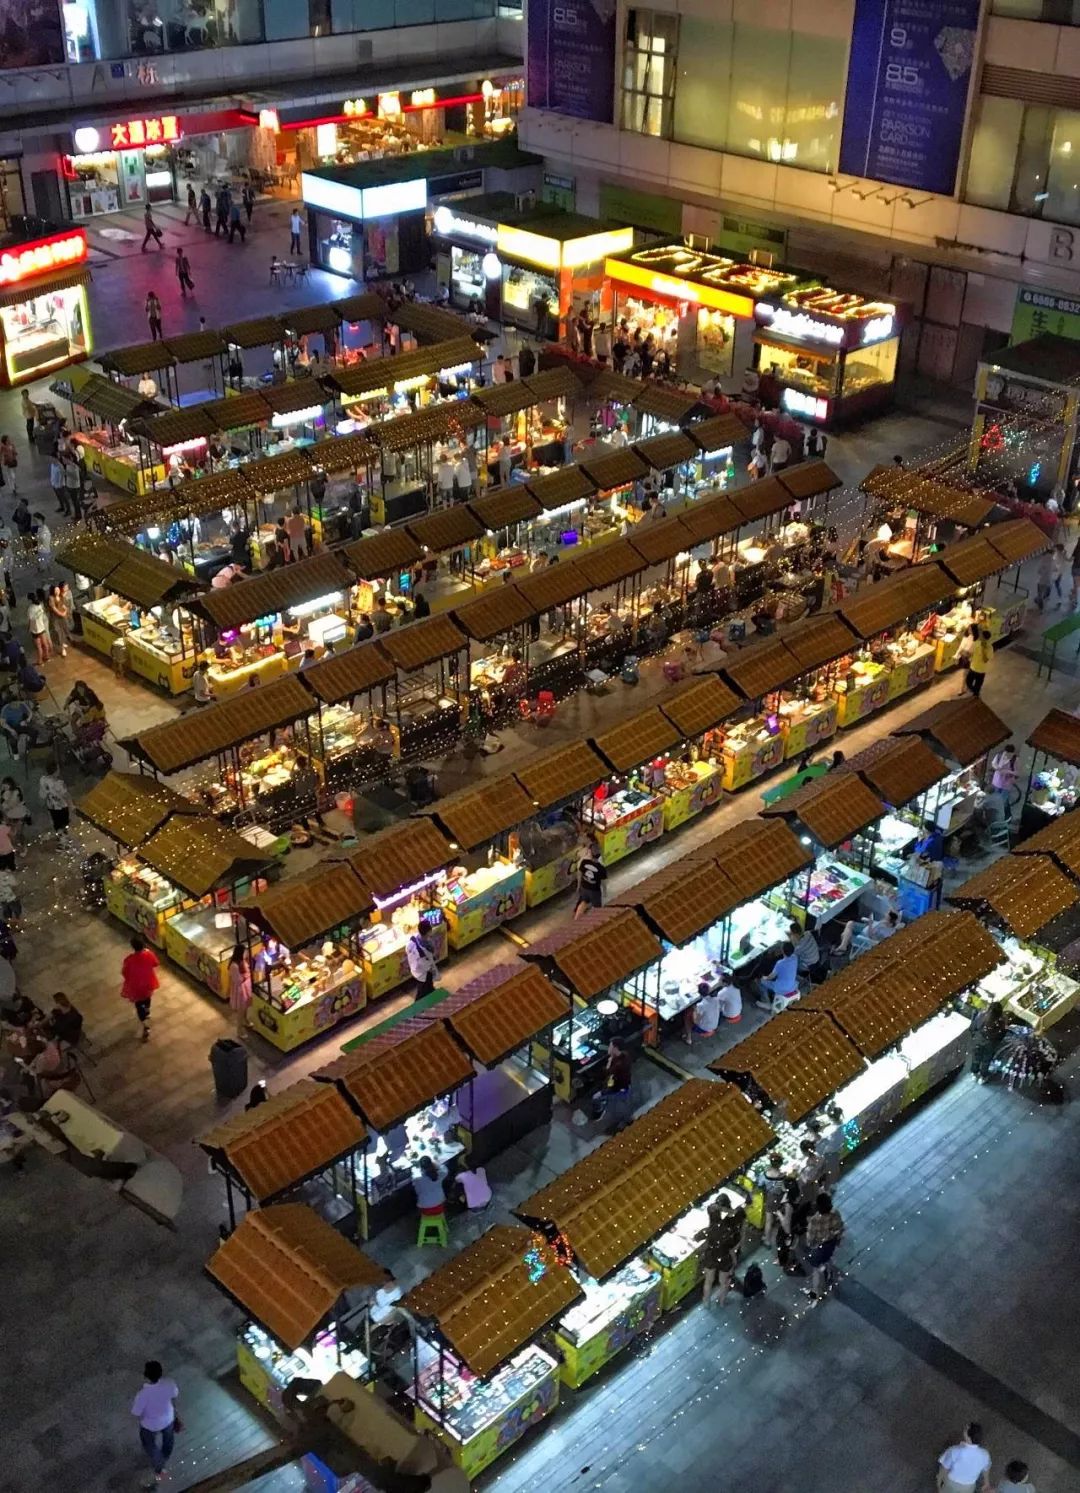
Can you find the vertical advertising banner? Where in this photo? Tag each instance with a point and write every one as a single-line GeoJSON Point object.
{"type": "Point", "coordinates": [570, 63]}
{"type": "Point", "coordinates": [907, 91]}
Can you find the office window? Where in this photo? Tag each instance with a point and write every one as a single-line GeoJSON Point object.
{"type": "Point", "coordinates": [758, 102]}
{"type": "Point", "coordinates": [995, 142]}
{"type": "Point", "coordinates": [650, 59]}
{"type": "Point", "coordinates": [815, 93]}
{"type": "Point", "coordinates": [703, 82]}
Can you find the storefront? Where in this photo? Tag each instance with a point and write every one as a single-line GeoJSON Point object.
{"type": "Point", "coordinates": [486, 887]}
{"type": "Point", "coordinates": [44, 317]}
{"type": "Point", "coordinates": [120, 164]}
{"type": "Point", "coordinates": [1027, 415]}
{"type": "Point", "coordinates": [1052, 787]}
{"type": "Point", "coordinates": [404, 868]}
{"type": "Point", "coordinates": [832, 355]}
{"type": "Point", "coordinates": [697, 307]}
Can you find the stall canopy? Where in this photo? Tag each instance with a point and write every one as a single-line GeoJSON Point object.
{"type": "Point", "coordinates": [200, 854]}
{"type": "Point", "coordinates": [797, 1059]}
{"type": "Point", "coordinates": [595, 952]}
{"type": "Point", "coordinates": [132, 573]}
{"type": "Point", "coordinates": [1024, 891]}
{"type": "Point", "coordinates": [1061, 839]}
{"type": "Point", "coordinates": [259, 331]}
{"type": "Point", "coordinates": [553, 776]}
{"type": "Point", "coordinates": [622, 1195]}
{"type": "Point", "coordinates": [217, 728]}
{"type": "Point", "coordinates": [556, 586]}
{"type": "Point", "coordinates": [553, 383]}
{"type": "Point", "coordinates": [710, 517]}
{"type": "Point", "coordinates": [294, 397]}
{"type": "Point", "coordinates": [238, 411]}
{"type": "Point", "coordinates": [382, 554]}
{"type": "Point", "coordinates": [294, 1135]}
{"type": "Point", "coordinates": [430, 323]}
{"type": "Point", "coordinates": [398, 1072]}
{"type": "Point", "coordinates": [1058, 735]}
{"type": "Point", "coordinates": [662, 452]}
{"type": "Point", "coordinates": [493, 614]}
{"type": "Point", "coordinates": [502, 1009]}
{"type": "Point", "coordinates": [500, 507]}
{"type": "Point", "coordinates": [899, 769]}
{"type": "Point", "coordinates": [557, 489]}
{"type": "Point", "coordinates": [671, 406]}
{"type": "Point", "coordinates": [761, 499]}
{"type": "Point", "coordinates": [760, 668]}
{"type": "Point", "coordinates": [657, 542]}
{"type": "Point", "coordinates": [911, 489]}
{"type": "Point", "coordinates": [174, 427]}
{"type": "Point", "coordinates": [615, 469]}
{"type": "Point", "coordinates": [140, 357]}
{"type": "Point", "coordinates": [275, 473]}
{"type": "Point", "coordinates": [809, 479]}
{"type": "Point", "coordinates": [718, 432]}
{"type": "Point", "coordinates": [423, 643]}
{"type": "Point", "coordinates": [635, 740]}
{"type": "Point", "coordinates": [111, 401]}
{"type": "Point", "coordinates": [893, 600]}
{"type": "Point", "coordinates": [818, 640]}
{"type": "Point", "coordinates": [682, 900]}
{"type": "Point", "coordinates": [501, 400]}
{"type": "Point", "coordinates": [274, 591]}
{"type": "Point", "coordinates": [615, 388]}
{"type": "Point", "coordinates": [445, 528]}
{"type": "Point", "coordinates": [971, 560]}
{"type": "Point", "coordinates": [204, 494]}
{"type": "Point", "coordinates": [128, 806]}
{"type": "Point", "coordinates": [610, 564]}
{"type": "Point", "coordinates": [963, 729]}
{"type": "Point", "coordinates": [756, 855]}
{"type": "Point", "coordinates": [345, 453]}
{"type": "Point", "coordinates": [400, 856]}
{"type": "Point", "coordinates": [343, 675]}
{"type": "Point", "coordinates": [288, 1269]}
{"type": "Point", "coordinates": [901, 983]}
{"type": "Point", "coordinates": [92, 555]}
{"type": "Point", "coordinates": [1017, 540]}
{"type": "Point", "coordinates": [699, 704]}
{"type": "Point", "coordinates": [473, 816]}
{"type": "Point", "coordinates": [488, 1301]}
{"type": "Point", "coordinates": [299, 911]}
{"type": "Point", "coordinates": [832, 808]}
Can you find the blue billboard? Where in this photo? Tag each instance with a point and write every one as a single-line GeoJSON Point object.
{"type": "Point", "coordinates": [907, 91]}
{"type": "Point", "coordinates": [570, 57]}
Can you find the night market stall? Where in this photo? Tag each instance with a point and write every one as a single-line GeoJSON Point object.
{"type": "Point", "coordinates": [401, 1078]}
{"type": "Point", "coordinates": [904, 772]}
{"type": "Point", "coordinates": [404, 868]}
{"type": "Point", "coordinates": [479, 1378]}
{"type": "Point", "coordinates": [893, 619]}
{"type": "Point", "coordinates": [290, 1273]}
{"type": "Point", "coordinates": [429, 690]}
{"type": "Point", "coordinates": [205, 522]}
{"type": "Point", "coordinates": [963, 732]}
{"type": "Point", "coordinates": [303, 1138]}
{"type": "Point", "coordinates": [100, 412]}
{"type": "Point", "coordinates": [1051, 787]}
{"type": "Point", "coordinates": [547, 843]}
{"type": "Point", "coordinates": [623, 1213]}
{"type": "Point", "coordinates": [303, 945]}
{"type": "Point", "coordinates": [351, 740]}
{"type": "Point", "coordinates": [917, 512]}
{"type": "Point", "coordinates": [588, 958]}
{"type": "Point", "coordinates": [629, 811]}
{"type": "Point", "coordinates": [486, 887]}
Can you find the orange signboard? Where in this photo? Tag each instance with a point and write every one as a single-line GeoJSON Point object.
{"type": "Point", "coordinates": [24, 261]}
{"type": "Point", "coordinates": [133, 134]}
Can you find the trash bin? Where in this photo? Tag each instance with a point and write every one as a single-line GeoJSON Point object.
{"type": "Point", "coordinates": [228, 1060]}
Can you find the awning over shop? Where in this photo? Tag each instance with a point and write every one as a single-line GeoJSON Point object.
{"type": "Point", "coordinates": [898, 768]}
{"type": "Point", "coordinates": [610, 564]}
{"type": "Point", "coordinates": [382, 554]}
{"type": "Point", "coordinates": [175, 426]}
{"type": "Point", "coordinates": [1017, 540]}
{"type": "Point", "coordinates": [306, 319]}
{"type": "Point", "coordinates": [657, 542]}
{"type": "Point", "coordinates": [473, 816]}
{"type": "Point", "coordinates": [274, 591]}
{"type": "Point", "coordinates": [500, 507]}
{"type": "Point", "coordinates": [367, 305]}
{"type": "Point", "coordinates": [401, 855]}
{"type": "Point", "coordinates": [352, 672]}
{"type": "Point", "coordinates": [140, 357]}
{"type": "Point", "coordinates": [756, 855]}
{"type": "Point", "coordinates": [500, 400]}
{"type": "Point", "coordinates": [818, 640]}
{"type": "Point", "coordinates": [287, 1268]}
{"type": "Point", "coordinates": [1024, 891]}
{"type": "Point", "coordinates": [662, 452]}
{"type": "Point", "coordinates": [430, 323]}
{"type": "Point", "coordinates": [217, 728]}
{"type": "Point", "coordinates": [797, 1059]}
{"type": "Point", "coordinates": [615, 469]}
{"type": "Point", "coordinates": [92, 555]}
{"type": "Point", "coordinates": [423, 643]}
{"type": "Point", "coordinates": [445, 528]}
{"type": "Point", "coordinates": [710, 517]}
{"type": "Point", "coordinates": [624, 1193]}
{"type": "Point", "coordinates": [502, 1009]}
{"type": "Point", "coordinates": [128, 806]}
{"type": "Point", "coordinates": [195, 347]}
{"type": "Point", "coordinates": [1058, 735]}
{"type": "Point", "coordinates": [294, 1135]}
{"type": "Point", "coordinates": [205, 494]}
{"type": "Point", "coordinates": [682, 900]}
{"type": "Point", "coordinates": [761, 499]}
{"type": "Point", "coordinates": [760, 668]}
{"type": "Point", "coordinates": [553, 776]}
{"type": "Point", "coordinates": [670, 405]}
{"type": "Point", "coordinates": [593, 953]}
{"type": "Point", "coordinates": [557, 489]}
{"type": "Point", "coordinates": [970, 560]}
{"type": "Point", "coordinates": [345, 453]}
{"type": "Point", "coordinates": [553, 383]}
{"type": "Point", "coordinates": [1060, 839]}
{"type": "Point", "coordinates": [488, 1301]}
{"type": "Point", "coordinates": [911, 489]}
{"type": "Point", "coordinates": [399, 1072]}
{"type": "Point", "coordinates": [296, 395]}
{"type": "Point", "coordinates": [699, 704]}
{"type": "Point", "coordinates": [555, 586]}
{"type": "Point", "coordinates": [718, 432]}
{"type": "Point", "coordinates": [149, 582]}
{"type": "Point", "coordinates": [832, 808]}
{"type": "Point", "coordinates": [901, 983]}
{"type": "Point", "coordinates": [259, 331]}
{"type": "Point", "coordinates": [199, 854]}
{"type": "Point", "coordinates": [112, 401]}
{"type": "Point", "coordinates": [493, 614]}
{"type": "Point", "coordinates": [963, 730]}
{"type": "Point", "coordinates": [615, 388]}
{"type": "Point", "coordinates": [809, 479]}
{"type": "Point", "coordinates": [305, 908]}
{"type": "Point", "coordinates": [633, 741]}
{"type": "Point", "coordinates": [277, 473]}
{"type": "Point", "coordinates": [893, 600]}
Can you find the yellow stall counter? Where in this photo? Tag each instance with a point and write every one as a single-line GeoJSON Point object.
{"type": "Point", "coordinates": [547, 881]}
{"type": "Point", "coordinates": [384, 958]}
{"type": "Point", "coordinates": [638, 826]}
{"type": "Point", "coordinates": [816, 726]}
{"type": "Point", "coordinates": [169, 672]}
{"type": "Point", "coordinates": [863, 696]}
{"type": "Point", "coordinates": [907, 674]}
{"type": "Point", "coordinates": [311, 1016]}
{"type": "Point", "coordinates": [703, 789]}
{"type": "Point", "coordinates": [226, 682]}
{"type": "Point", "coordinates": [628, 1305]}
{"type": "Point", "coordinates": [136, 912]}
{"type": "Point", "coordinates": [97, 634]}
{"type": "Point", "coordinates": [745, 760]}
{"type": "Point", "coordinates": [477, 1432]}
{"type": "Point", "coordinates": [481, 901]}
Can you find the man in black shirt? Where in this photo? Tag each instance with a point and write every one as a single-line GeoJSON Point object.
{"type": "Point", "coordinates": [592, 873]}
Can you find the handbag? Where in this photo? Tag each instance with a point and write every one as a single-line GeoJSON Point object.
{"type": "Point", "coordinates": [177, 1425]}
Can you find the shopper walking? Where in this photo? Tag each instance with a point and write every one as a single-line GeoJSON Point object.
{"type": "Point", "coordinates": [248, 198]}
{"type": "Point", "coordinates": [988, 1028]}
{"type": "Point", "coordinates": [192, 205]}
{"type": "Point", "coordinates": [824, 1230]}
{"type": "Point", "coordinates": [964, 1467]}
{"type": "Point", "coordinates": [139, 972]}
{"type": "Point", "coordinates": [29, 413]}
{"type": "Point", "coordinates": [183, 274]}
{"type": "Point", "coordinates": [74, 477]}
{"type": "Point", "coordinates": [205, 206]}
{"type": "Point", "coordinates": [56, 482]}
{"type": "Point", "coordinates": [54, 797]}
{"type": "Point", "coordinates": [239, 988]}
{"type": "Point", "coordinates": [37, 621]}
{"type": "Point", "coordinates": [236, 224]}
{"type": "Point", "coordinates": [981, 654]}
{"type": "Point", "coordinates": [723, 1240]}
{"type": "Point", "coordinates": [296, 224]}
{"type": "Point", "coordinates": [423, 966]}
{"type": "Point", "coordinates": [155, 1409]}
{"type": "Point", "coordinates": [152, 230]}
{"type": "Point", "coordinates": [591, 875]}
{"type": "Point", "coordinates": [618, 1108]}
{"type": "Point", "coordinates": [152, 308]}
{"type": "Point", "coordinates": [9, 459]}
{"type": "Point", "coordinates": [1016, 1478]}
{"type": "Point", "coordinates": [221, 212]}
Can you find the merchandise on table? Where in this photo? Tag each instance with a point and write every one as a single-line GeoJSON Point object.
{"type": "Point", "coordinates": [881, 673]}
{"type": "Point", "coordinates": [750, 748]}
{"type": "Point", "coordinates": [352, 746]}
{"type": "Point", "coordinates": [678, 974]}
{"type": "Point", "coordinates": [609, 1318]}
{"type": "Point", "coordinates": [480, 1418]}
{"type": "Point", "coordinates": [756, 927]}
{"type": "Point", "coordinates": [142, 898]}
{"type": "Point", "coordinates": [253, 651]}
{"type": "Point", "coordinates": [623, 821]}
{"type": "Point", "coordinates": [833, 886]}
{"type": "Point", "coordinates": [894, 837]}
{"type": "Point", "coordinates": [119, 462]}
{"type": "Point", "coordinates": [384, 943]}
{"type": "Point", "coordinates": [267, 1369]}
{"type": "Point", "coordinates": [294, 998]}
{"type": "Point", "coordinates": [1054, 791]}
{"type": "Point", "coordinates": [688, 788]}
{"type": "Point", "coordinates": [389, 1161]}
{"type": "Point", "coordinates": [956, 798]}
{"type": "Point", "coordinates": [104, 620]}
{"type": "Point", "coordinates": [477, 901]}
{"type": "Point", "coordinates": [677, 1252]}
{"type": "Point", "coordinates": [580, 1045]}
{"type": "Point", "coordinates": [1030, 985]}
{"type": "Point", "coordinates": [264, 777]}
{"type": "Point", "coordinates": [890, 1083]}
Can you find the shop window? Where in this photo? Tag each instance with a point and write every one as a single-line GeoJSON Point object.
{"type": "Point", "coordinates": [1062, 201]}
{"type": "Point", "coordinates": [649, 65]}
{"type": "Point", "coordinates": [178, 26]}
{"type": "Point", "coordinates": [758, 99]}
{"type": "Point", "coordinates": [12, 202]}
{"type": "Point", "coordinates": [44, 332]}
{"type": "Point", "coordinates": [811, 372]}
{"type": "Point", "coordinates": [866, 366]}
{"type": "Point", "coordinates": [995, 142]}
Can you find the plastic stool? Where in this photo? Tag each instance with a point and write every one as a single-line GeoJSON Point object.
{"type": "Point", "coordinates": [433, 1229]}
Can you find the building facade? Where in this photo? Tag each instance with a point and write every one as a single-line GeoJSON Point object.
{"type": "Point", "coordinates": [927, 152]}
{"type": "Point", "coordinates": [108, 104]}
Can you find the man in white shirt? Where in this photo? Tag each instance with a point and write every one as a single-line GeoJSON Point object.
{"type": "Point", "coordinates": [498, 370]}
{"type": "Point", "coordinates": [155, 1408]}
{"type": "Point", "coordinates": [382, 1307]}
{"type": "Point", "coordinates": [780, 454]}
{"type": "Point", "coordinates": [462, 478]}
{"type": "Point", "coordinates": [445, 479]}
{"type": "Point", "coordinates": [296, 223]}
{"type": "Point", "coordinates": [965, 1467]}
{"type": "Point", "coordinates": [703, 1016]}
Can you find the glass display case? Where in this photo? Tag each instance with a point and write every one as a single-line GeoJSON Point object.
{"type": "Point", "coordinates": [623, 821]}
{"type": "Point", "coordinates": [202, 941]}
{"type": "Point", "coordinates": [477, 901]}
{"type": "Point", "coordinates": [267, 1368]}
{"type": "Point", "coordinates": [297, 996]}
{"type": "Point", "coordinates": [1030, 985]}
{"type": "Point", "coordinates": [609, 1317]}
{"type": "Point", "coordinates": [119, 462]}
{"type": "Point", "coordinates": [142, 898]}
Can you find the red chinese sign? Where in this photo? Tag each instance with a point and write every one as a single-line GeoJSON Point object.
{"type": "Point", "coordinates": [24, 261]}
{"type": "Point", "coordinates": [134, 134]}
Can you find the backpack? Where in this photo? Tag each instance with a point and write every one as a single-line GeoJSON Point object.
{"type": "Point", "coordinates": [753, 1282]}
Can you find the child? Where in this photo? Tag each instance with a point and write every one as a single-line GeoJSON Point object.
{"type": "Point", "coordinates": [13, 807]}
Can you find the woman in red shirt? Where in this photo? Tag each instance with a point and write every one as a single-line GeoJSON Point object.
{"type": "Point", "coordinates": [140, 981]}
